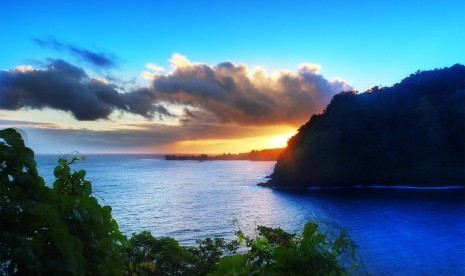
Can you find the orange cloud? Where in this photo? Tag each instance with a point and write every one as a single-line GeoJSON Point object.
{"type": "Point", "coordinates": [232, 93]}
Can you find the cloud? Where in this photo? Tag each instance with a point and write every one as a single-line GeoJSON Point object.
{"type": "Point", "coordinates": [233, 93]}
{"type": "Point", "coordinates": [65, 87]}
{"type": "Point", "coordinates": [155, 68]}
{"type": "Point", "coordinates": [140, 137]}
{"type": "Point", "coordinates": [179, 61]}
{"type": "Point", "coordinates": [223, 93]}
{"type": "Point", "coordinates": [24, 68]}
{"type": "Point", "coordinates": [19, 123]}
{"type": "Point", "coordinates": [310, 67]}
{"type": "Point", "coordinates": [96, 59]}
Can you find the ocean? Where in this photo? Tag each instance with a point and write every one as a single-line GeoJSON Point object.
{"type": "Point", "coordinates": [398, 231]}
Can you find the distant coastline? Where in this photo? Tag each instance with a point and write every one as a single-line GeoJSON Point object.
{"type": "Point", "coordinates": [254, 155]}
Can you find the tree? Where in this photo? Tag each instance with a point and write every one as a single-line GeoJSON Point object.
{"type": "Point", "coordinates": [51, 230]}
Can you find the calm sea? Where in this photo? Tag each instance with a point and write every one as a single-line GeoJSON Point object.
{"type": "Point", "coordinates": [398, 231]}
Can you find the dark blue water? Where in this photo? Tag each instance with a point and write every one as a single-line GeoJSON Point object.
{"type": "Point", "coordinates": [399, 232]}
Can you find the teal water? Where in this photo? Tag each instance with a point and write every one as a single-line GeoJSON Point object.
{"type": "Point", "coordinates": [398, 231]}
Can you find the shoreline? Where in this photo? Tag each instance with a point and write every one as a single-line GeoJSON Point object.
{"type": "Point", "coordinates": [365, 187]}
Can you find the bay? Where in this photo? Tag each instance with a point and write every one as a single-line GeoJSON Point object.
{"type": "Point", "coordinates": [398, 231]}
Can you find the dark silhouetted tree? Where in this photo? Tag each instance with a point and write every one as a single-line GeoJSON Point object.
{"type": "Point", "coordinates": [412, 133]}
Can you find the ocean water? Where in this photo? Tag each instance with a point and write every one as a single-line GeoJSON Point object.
{"type": "Point", "coordinates": [398, 231]}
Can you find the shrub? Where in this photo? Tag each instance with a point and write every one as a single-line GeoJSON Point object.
{"type": "Point", "coordinates": [276, 252]}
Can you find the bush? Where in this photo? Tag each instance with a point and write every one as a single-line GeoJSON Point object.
{"type": "Point", "coordinates": [146, 255]}
{"type": "Point", "coordinates": [276, 252]}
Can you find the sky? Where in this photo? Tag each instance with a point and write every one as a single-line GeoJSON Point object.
{"type": "Point", "coordinates": [204, 76]}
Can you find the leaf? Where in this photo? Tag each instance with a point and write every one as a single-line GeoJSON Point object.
{"type": "Point", "coordinates": [77, 215]}
{"type": "Point", "coordinates": [12, 138]}
{"type": "Point", "coordinates": [81, 173]}
{"type": "Point", "coordinates": [57, 171]}
{"type": "Point", "coordinates": [62, 161]}
{"type": "Point", "coordinates": [310, 229]}
{"type": "Point", "coordinates": [240, 238]}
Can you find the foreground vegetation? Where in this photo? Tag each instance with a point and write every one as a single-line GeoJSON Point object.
{"type": "Point", "coordinates": [63, 230]}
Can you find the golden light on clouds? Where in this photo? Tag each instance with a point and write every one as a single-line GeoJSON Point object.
{"type": "Point", "coordinates": [186, 107]}
{"type": "Point", "coordinates": [179, 61]}
{"type": "Point", "coordinates": [24, 68]}
{"type": "Point", "coordinates": [154, 67]}
{"type": "Point", "coordinates": [152, 75]}
{"type": "Point", "coordinates": [311, 67]}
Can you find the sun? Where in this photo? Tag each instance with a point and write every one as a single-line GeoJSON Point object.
{"type": "Point", "coordinates": [279, 141]}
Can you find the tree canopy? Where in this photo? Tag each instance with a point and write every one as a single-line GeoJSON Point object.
{"type": "Point", "coordinates": [412, 133]}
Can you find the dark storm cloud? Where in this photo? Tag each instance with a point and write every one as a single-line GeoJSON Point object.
{"type": "Point", "coordinates": [235, 94]}
{"type": "Point", "coordinates": [96, 59]}
{"type": "Point", "coordinates": [63, 86]}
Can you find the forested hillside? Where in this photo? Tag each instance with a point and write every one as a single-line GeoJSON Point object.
{"type": "Point", "coordinates": [412, 133]}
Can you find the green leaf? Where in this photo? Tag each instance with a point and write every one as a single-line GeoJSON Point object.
{"type": "Point", "coordinates": [81, 173]}
{"type": "Point", "coordinates": [57, 171]}
{"type": "Point", "coordinates": [62, 161]}
{"type": "Point", "coordinates": [310, 229]}
{"type": "Point", "coordinates": [77, 215]}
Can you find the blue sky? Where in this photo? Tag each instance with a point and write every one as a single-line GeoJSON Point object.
{"type": "Point", "coordinates": [365, 43]}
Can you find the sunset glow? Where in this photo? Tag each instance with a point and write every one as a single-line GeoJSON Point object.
{"type": "Point", "coordinates": [202, 77]}
{"type": "Point", "coordinates": [217, 146]}
{"type": "Point", "coordinates": [232, 137]}
{"type": "Point", "coordinates": [279, 141]}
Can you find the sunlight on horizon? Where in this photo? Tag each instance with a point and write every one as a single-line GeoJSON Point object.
{"type": "Point", "coordinates": [218, 146]}
{"type": "Point", "coordinates": [280, 141]}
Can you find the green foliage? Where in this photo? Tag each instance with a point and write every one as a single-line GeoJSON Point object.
{"type": "Point", "coordinates": [93, 224]}
{"type": "Point", "coordinates": [276, 252]}
{"type": "Point", "coordinates": [147, 255]}
{"type": "Point", "coordinates": [272, 252]}
{"type": "Point", "coordinates": [51, 230]}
